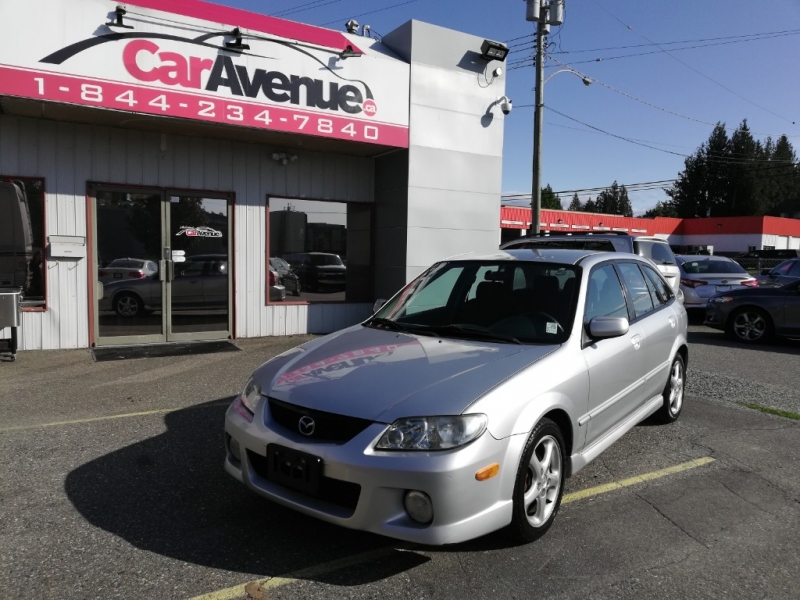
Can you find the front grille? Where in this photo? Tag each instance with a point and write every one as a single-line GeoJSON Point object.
{"type": "Point", "coordinates": [333, 491]}
{"type": "Point", "coordinates": [328, 427]}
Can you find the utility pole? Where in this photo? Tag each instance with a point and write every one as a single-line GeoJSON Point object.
{"type": "Point", "coordinates": [545, 13]}
{"type": "Point", "coordinates": [538, 109]}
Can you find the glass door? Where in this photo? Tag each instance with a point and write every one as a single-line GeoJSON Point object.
{"type": "Point", "coordinates": [128, 274]}
{"type": "Point", "coordinates": [161, 267]}
{"type": "Point", "coordinates": [199, 275]}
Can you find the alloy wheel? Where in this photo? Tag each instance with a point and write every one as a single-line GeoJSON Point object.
{"type": "Point", "coordinates": [127, 306]}
{"type": "Point", "coordinates": [676, 381]}
{"type": "Point", "coordinates": [543, 481]}
{"type": "Point", "coordinates": [749, 326]}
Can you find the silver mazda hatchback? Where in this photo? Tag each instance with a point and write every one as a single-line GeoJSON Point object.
{"type": "Point", "coordinates": [463, 404]}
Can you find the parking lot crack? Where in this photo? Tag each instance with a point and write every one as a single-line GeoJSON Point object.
{"type": "Point", "coordinates": [665, 516]}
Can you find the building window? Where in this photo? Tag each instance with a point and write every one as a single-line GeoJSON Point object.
{"type": "Point", "coordinates": [318, 251]}
{"type": "Point", "coordinates": [22, 238]}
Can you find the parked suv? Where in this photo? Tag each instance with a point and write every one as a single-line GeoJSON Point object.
{"type": "Point", "coordinates": [655, 249]}
{"type": "Point", "coordinates": [318, 271]}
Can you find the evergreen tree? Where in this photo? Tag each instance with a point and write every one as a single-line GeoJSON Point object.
{"type": "Point", "coordinates": [661, 209]}
{"type": "Point", "coordinates": [549, 199]}
{"type": "Point", "coordinates": [590, 206]}
{"type": "Point", "coordinates": [614, 201]}
{"type": "Point", "coordinates": [576, 203]}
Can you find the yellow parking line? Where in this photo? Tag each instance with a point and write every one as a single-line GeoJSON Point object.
{"type": "Point", "coordinates": [144, 413]}
{"type": "Point", "coordinates": [242, 590]}
{"type": "Point", "coordinates": [618, 485]}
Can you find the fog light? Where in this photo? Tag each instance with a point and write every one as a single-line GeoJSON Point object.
{"type": "Point", "coordinates": [233, 447]}
{"type": "Point", "coordinates": [418, 506]}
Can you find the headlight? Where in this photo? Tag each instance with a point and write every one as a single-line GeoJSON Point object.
{"type": "Point", "coordinates": [722, 299]}
{"type": "Point", "coordinates": [432, 433]}
{"type": "Point", "coordinates": [251, 395]}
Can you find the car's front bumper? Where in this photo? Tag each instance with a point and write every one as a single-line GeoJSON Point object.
{"type": "Point", "coordinates": [463, 507]}
{"type": "Point", "coordinates": [716, 316]}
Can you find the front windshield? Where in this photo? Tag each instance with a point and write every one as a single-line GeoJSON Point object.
{"type": "Point", "coordinates": [507, 301]}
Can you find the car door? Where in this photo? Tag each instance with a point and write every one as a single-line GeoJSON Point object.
{"type": "Point", "coordinates": [615, 364]}
{"type": "Point", "coordinates": [791, 309]}
{"type": "Point", "coordinates": [215, 285]}
{"type": "Point", "coordinates": [658, 322]}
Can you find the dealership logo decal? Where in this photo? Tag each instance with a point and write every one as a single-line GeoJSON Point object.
{"type": "Point", "coordinates": [146, 61]}
{"type": "Point", "coordinates": [201, 231]}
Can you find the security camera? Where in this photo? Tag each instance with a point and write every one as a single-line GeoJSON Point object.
{"type": "Point", "coordinates": [351, 26]}
{"type": "Point", "coordinates": [505, 105]}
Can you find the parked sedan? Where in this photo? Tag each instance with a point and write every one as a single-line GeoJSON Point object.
{"type": "Point", "coordinates": [705, 276]}
{"type": "Point", "coordinates": [287, 277]}
{"type": "Point", "coordinates": [786, 272]}
{"type": "Point", "coordinates": [127, 268]}
{"type": "Point", "coordinates": [755, 315]}
{"type": "Point", "coordinates": [465, 402]}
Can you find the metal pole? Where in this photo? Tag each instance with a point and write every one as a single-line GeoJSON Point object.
{"type": "Point", "coordinates": [536, 191]}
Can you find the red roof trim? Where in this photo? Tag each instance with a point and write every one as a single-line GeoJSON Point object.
{"type": "Point", "coordinates": [234, 17]}
{"type": "Point", "coordinates": [581, 221]}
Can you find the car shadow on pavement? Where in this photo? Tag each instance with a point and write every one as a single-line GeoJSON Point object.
{"type": "Point", "coordinates": [718, 338]}
{"type": "Point", "coordinates": [170, 495]}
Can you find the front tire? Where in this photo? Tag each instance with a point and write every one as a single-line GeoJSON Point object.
{"type": "Point", "coordinates": [673, 392]}
{"type": "Point", "coordinates": [540, 482]}
{"type": "Point", "coordinates": [750, 325]}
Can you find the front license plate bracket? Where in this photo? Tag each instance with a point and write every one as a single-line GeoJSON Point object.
{"type": "Point", "coordinates": [294, 469]}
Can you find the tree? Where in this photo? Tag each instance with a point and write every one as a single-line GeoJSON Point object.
{"type": "Point", "coordinates": [614, 201]}
{"type": "Point", "coordinates": [576, 203]}
{"type": "Point", "coordinates": [590, 206]}
{"type": "Point", "coordinates": [661, 209]}
{"type": "Point", "coordinates": [549, 199]}
{"type": "Point", "coordinates": [736, 176]}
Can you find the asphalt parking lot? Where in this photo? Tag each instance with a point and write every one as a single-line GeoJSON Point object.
{"type": "Point", "coordinates": [112, 486]}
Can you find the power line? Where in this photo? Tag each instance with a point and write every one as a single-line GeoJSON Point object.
{"type": "Point", "coordinates": [688, 66]}
{"type": "Point", "coordinates": [646, 185]}
{"type": "Point", "coordinates": [377, 10]}
{"type": "Point", "coordinates": [304, 7]}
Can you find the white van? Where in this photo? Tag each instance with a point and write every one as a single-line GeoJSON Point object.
{"type": "Point", "coordinates": [16, 244]}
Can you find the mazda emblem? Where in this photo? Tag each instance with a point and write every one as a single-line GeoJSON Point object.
{"type": "Point", "coordinates": [306, 425]}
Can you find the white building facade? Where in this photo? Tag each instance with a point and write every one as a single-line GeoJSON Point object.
{"type": "Point", "coordinates": [194, 172]}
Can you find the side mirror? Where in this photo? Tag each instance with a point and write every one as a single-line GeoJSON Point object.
{"type": "Point", "coordinates": [608, 327]}
{"type": "Point", "coordinates": [378, 305]}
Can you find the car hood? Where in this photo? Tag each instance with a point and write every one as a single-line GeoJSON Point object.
{"type": "Point", "coordinates": [384, 375]}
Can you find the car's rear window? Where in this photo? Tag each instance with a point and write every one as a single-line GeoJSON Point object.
{"type": "Point", "coordinates": [126, 264]}
{"type": "Point", "coordinates": [659, 252]}
{"type": "Point", "coordinates": [697, 267]}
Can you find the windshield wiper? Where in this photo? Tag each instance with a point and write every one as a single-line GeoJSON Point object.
{"type": "Point", "coordinates": [405, 327]}
{"type": "Point", "coordinates": [387, 323]}
{"type": "Point", "coordinates": [479, 333]}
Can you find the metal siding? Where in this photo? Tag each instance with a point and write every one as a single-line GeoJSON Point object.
{"type": "Point", "coordinates": [69, 155]}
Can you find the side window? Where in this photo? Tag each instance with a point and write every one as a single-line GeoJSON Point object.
{"type": "Point", "coordinates": [783, 269]}
{"type": "Point", "coordinates": [639, 292]}
{"type": "Point", "coordinates": [659, 290]}
{"type": "Point", "coordinates": [604, 296]}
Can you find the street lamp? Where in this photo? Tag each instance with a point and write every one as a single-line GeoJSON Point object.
{"type": "Point", "coordinates": [536, 191]}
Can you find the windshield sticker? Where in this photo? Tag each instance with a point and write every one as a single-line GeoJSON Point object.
{"type": "Point", "coordinates": [201, 231]}
{"type": "Point", "coordinates": [551, 328]}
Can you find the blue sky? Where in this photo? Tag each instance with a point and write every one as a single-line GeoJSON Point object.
{"type": "Point", "coordinates": [725, 80]}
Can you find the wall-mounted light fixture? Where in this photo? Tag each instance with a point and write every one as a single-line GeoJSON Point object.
{"type": "Point", "coordinates": [493, 50]}
{"type": "Point", "coordinates": [119, 14]}
{"type": "Point", "coordinates": [236, 45]}
{"type": "Point", "coordinates": [283, 158]}
{"type": "Point", "coordinates": [348, 52]}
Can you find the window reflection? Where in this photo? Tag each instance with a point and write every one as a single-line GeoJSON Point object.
{"type": "Point", "coordinates": [22, 243]}
{"type": "Point", "coordinates": [319, 251]}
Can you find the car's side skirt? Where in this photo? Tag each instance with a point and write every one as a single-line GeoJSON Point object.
{"type": "Point", "coordinates": [581, 459]}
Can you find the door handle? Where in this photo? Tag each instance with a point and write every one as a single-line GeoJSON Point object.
{"type": "Point", "coordinates": [636, 341]}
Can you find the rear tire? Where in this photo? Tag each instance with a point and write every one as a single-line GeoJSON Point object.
{"type": "Point", "coordinates": [674, 393]}
{"type": "Point", "coordinates": [540, 483]}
